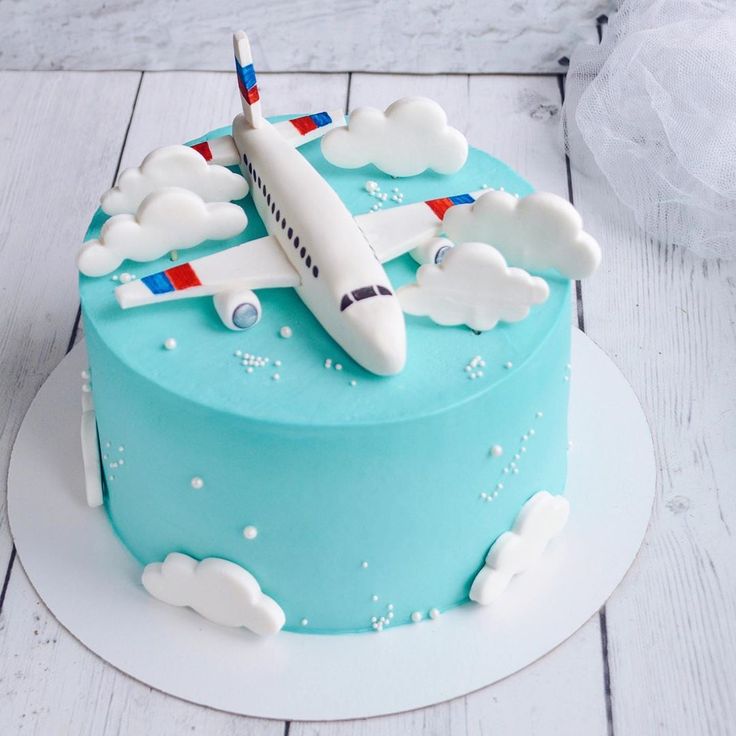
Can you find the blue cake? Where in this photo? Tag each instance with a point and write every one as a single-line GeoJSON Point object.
{"type": "Point", "coordinates": [291, 487]}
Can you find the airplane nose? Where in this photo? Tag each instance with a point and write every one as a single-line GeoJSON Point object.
{"type": "Point", "coordinates": [378, 326]}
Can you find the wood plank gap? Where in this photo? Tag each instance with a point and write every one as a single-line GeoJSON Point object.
{"type": "Point", "coordinates": [603, 625]}
{"type": "Point", "coordinates": [287, 727]}
{"type": "Point", "coordinates": [347, 94]}
{"type": "Point", "coordinates": [602, 620]}
{"type": "Point", "coordinates": [568, 173]}
{"type": "Point", "coordinates": [73, 336]}
{"type": "Point", "coordinates": [290, 72]}
{"type": "Point", "coordinates": [127, 128]}
{"type": "Point", "coordinates": [6, 581]}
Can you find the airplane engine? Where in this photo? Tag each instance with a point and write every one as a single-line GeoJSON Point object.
{"type": "Point", "coordinates": [238, 310]}
{"type": "Point", "coordinates": [432, 251]}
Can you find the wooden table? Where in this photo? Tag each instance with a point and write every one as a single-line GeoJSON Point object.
{"type": "Point", "coordinates": [659, 658]}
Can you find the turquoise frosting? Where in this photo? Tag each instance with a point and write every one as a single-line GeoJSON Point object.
{"type": "Point", "coordinates": [387, 471]}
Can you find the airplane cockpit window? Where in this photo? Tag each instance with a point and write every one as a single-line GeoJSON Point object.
{"type": "Point", "coordinates": [364, 292]}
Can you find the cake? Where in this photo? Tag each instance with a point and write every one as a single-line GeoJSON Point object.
{"type": "Point", "coordinates": [329, 465]}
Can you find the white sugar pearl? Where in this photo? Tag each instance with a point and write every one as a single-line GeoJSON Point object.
{"type": "Point", "coordinates": [125, 278]}
{"type": "Point", "coordinates": [338, 366]}
{"type": "Point", "coordinates": [304, 622]}
{"type": "Point", "coordinates": [417, 616]}
{"type": "Point", "coordinates": [496, 450]}
{"type": "Point", "coordinates": [197, 483]}
{"type": "Point", "coordinates": [276, 377]}
{"type": "Point", "coordinates": [374, 598]}
{"type": "Point", "coordinates": [86, 388]}
{"type": "Point", "coordinates": [286, 332]}
{"type": "Point", "coordinates": [170, 343]}
{"type": "Point", "coordinates": [250, 532]}
{"type": "Point", "coordinates": [85, 375]}
{"type": "Point", "coordinates": [434, 613]}
{"type": "Point", "coordinates": [364, 564]}
{"type": "Point", "coordinates": [508, 365]}
{"type": "Point", "coordinates": [371, 186]}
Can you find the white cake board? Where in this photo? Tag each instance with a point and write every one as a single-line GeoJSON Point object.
{"type": "Point", "coordinates": [92, 584]}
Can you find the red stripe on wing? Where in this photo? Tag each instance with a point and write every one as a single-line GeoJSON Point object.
{"type": "Point", "coordinates": [183, 277]}
{"type": "Point", "coordinates": [440, 206]}
{"type": "Point", "coordinates": [304, 125]}
{"type": "Point", "coordinates": [204, 150]}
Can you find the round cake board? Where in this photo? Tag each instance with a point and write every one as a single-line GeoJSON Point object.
{"type": "Point", "coordinates": [92, 584]}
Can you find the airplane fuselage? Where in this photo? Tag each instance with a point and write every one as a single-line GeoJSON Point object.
{"type": "Point", "coordinates": [342, 282]}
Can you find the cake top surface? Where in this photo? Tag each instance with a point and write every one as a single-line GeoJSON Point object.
{"type": "Point", "coordinates": [305, 378]}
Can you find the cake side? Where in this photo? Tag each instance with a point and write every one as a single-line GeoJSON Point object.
{"type": "Point", "coordinates": [303, 479]}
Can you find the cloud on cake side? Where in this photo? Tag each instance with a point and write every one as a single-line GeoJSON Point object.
{"type": "Point", "coordinates": [168, 219]}
{"type": "Point", "coordinates": [536, 232]}
{"type": "Point", "coordinates": [217, 589]}
{"type": "Point", "coordinates": [411, 136]}
{"type": "Point", "coordinates": [173, 166]}
{"type": "Point", "coordinates": [472, 286]}
{"type": "Point", "coordinates": [541, 519]}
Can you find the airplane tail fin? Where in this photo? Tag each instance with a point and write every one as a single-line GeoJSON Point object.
{"type": "Point", "coordinates": [247, 80]}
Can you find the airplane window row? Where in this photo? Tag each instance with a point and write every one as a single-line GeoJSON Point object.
{"type": "Point", "coordinates": [261, 185]}
{"type": "Point", "coordinates": [365, 292]}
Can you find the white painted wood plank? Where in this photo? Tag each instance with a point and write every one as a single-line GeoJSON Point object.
{"type": "Point", "coordinates": [52, 145]}
{"type": "Point", "coordinates": [667, 319]}
{"type": "Point", "coordinates": [516, 119]}
{"type": "Point", "coordinates": [42, 674]}
{"type": "Point", "coordinates": [52, 684]}
{"type": "Point", "coordinates": [174, 107]}
{"type": "Point", "coordinates": [427, 36]}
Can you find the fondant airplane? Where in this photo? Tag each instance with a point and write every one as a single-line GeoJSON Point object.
{"type": "Point", "coordinates": [315, 245]}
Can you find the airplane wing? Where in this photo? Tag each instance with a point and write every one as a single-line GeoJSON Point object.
{"type": "Point", "coordinates": [299, 131]}
{"type": "Point", "coordinates": [220, 150]}
{"type": "Point", "coordinates": [398, 230]}
{"type": "Point", "coordinates": [257, 264]}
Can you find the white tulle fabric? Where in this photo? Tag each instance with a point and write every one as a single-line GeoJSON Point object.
{"type": "Point", "coordinates": [654, 105]}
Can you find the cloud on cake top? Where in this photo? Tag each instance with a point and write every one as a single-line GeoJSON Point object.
{"type": "Point", "coordinates": [217, 589]}
{"type": "Point", "coordinates": [168, 219]}
{"type": "Point", "coordinates": [411, 136]}
{"type": "Point", "coordinates": [541, 519]}
{"type": "Point", "coordinates": [472, 286]}
{"type": "Point", "coordinates": [537, 232]}
{"type": "Point", "coordinates": [173, 166]}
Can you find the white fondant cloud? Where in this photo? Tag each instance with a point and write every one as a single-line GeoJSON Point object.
{"type": "Point", "coordinates": [173, 166]}
{"type": "Point", "coordinates": [166, 220]}
{"type": "Point", "coordinates": [410, 137]}
{"type": "Point", "coordinates": [472, 286]}
{"type": "Point", "coordinates": [217, 589]}
{"type": "Point", "coordinates": [541, 518]}
{"type": "Point", "coordinates": [535, 232]}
